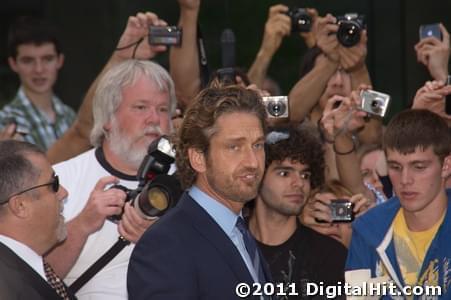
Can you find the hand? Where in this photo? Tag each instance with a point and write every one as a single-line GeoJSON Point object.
{"type": "Point", "coordinates": [132, 225]}
{"type": "Point", "coordinates": [138, 28]}
{"type": "Point", "coordinates": [101, 204]}
{"type": "Point", "coordinates": [309, 37]}
{"type": "Point", "coordinates": [8, 132]}
{"type": "Point", "coordinates": [431, 96]}
{"type": "Point", "coordinates": [341, 115]}
{"type": "Point", "coordinates": [317, 208]}
{"type": "Point", "coordinates": [189, 4]}
{"type": "Point", "coordinates": [326, 38]}
{"type": "Point", "coordinates": [361, 204]}
{"type": "Point", "coordinates": [277, 27]}
{"type": "Point", "coordinates": [353, 58]}
{"type": "Point", "coordinates": [434, 54]}
{"type": "Point", "coordinates": [260, 92]}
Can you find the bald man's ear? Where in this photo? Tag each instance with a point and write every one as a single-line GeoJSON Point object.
{"type": "Point", "coordinates": [19, 206]}
{"type": "Point", "coordinates": [197, 160]}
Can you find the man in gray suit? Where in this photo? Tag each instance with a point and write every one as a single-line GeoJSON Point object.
{"type": "Point", "coordinates": [31, 202]}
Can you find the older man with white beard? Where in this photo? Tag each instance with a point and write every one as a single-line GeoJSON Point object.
{"type": "Point", "coordinates": [132, 107]}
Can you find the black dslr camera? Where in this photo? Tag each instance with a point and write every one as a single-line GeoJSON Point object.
{"type": "Point", "coordinates": [300, 20]}
{"type": "Point", "coordinates": [168, 36]}
{"type": "Point", "coordinates": [349, 28]}
{"type": "Point", "coordinates": [157, 191]}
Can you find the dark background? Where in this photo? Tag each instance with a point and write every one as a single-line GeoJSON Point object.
{"type": "Point", "coordinates": [90, 30]}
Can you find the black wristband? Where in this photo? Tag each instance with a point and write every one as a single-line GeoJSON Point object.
{"type": "Point", "coordinates": [346, 152]}
{"type": "Point", "coordinates": [321, 133]}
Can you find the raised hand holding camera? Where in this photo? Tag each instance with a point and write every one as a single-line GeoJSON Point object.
{"type": "Point", "coordinates": [134, 41]}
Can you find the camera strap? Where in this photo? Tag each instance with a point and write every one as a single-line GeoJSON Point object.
{"type": "Point", "coordinates": [203, 62]}
{"type": "Point", "coordinates": [99, 264]}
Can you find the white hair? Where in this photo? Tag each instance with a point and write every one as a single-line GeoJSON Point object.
{"type": "Point", "coordinates": [108, 94]}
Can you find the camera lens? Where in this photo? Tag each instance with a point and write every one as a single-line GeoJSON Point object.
{"type": "Point", "coordinates": [348, 33]}
{"type": "Point", "coordinates": [376, 106]}
{"type": "Point", "coordinates": [300, 20]}
{"type": "Point", "coordinates": [153, 202]}
{"type": "Point", "coordinates": [276, 109]}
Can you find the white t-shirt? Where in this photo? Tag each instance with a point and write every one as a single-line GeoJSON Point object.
{"type": "Point", "coordinates": [79, 175]}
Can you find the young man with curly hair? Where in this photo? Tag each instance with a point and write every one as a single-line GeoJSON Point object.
{"type": "Point", "coordinates": [294, 252]}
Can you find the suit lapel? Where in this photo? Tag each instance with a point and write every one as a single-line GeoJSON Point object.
{"type": "Point", "coordinates": [29, 276]}
{"type": "Point", "coordinates": [210, 230]}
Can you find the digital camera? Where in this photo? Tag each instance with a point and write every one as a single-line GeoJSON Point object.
{"type": "Point", "coordinates": [157, 191]}
{"type": "Point", "coordinates": [374, 103]}
{"type": "Point", "coordinates": [349, 28]}
{"type": "Point", "coordinates": [168, 36]}
{"type": "Point", "coordinates": [429, 30]}
{"type": "Point", "coordinates": [342, 210]}
{"type": "Point", "coordinates": [300, 20]}
{"type": "Point", "coordinates": [276, 106]}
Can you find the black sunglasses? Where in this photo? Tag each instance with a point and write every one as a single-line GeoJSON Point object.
{"type": "Point", "coordinates": [54, 183]}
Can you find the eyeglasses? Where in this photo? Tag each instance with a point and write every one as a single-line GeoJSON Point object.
{"type": "Point", "coordinates": [54, 183]}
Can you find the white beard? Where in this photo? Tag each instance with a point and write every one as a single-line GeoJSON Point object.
{"type": "Point", "coordinates": [123, 145]}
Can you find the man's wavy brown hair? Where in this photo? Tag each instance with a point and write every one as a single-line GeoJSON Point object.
{"type": "Point", "coordinates": [199, 122]}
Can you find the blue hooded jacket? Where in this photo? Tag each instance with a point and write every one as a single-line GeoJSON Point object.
{"type": "Point", "coordinates": [372, 248]}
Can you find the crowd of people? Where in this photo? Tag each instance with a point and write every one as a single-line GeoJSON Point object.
{"type": "Point", "coordinates": [326, 195]}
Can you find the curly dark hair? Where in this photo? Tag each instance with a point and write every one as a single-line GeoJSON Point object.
{"type": "Point", "coordinates": [200, 119]}
{"type": "Point", "coordinates": [299, 144]}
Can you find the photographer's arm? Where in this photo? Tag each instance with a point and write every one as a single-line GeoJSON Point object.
{"type": "Point", "coordinates": [338, 125]}
{"type": "Point", "coordinates": [277, 27]}
{"type": "Point", "coordinates": [101, 204]}
{"type": "Point", "coordinates": [184, 60]}
{"type": "Point", "coordinates": [76, 139]}
{"type": "Point", "coordinates": [306, 93]}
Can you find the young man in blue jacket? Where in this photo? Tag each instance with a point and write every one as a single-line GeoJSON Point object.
{"type": "Point", "coordinates": [406, 241]}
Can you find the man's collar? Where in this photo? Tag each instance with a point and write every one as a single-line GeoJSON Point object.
{"type": "Point", "coordinates": [100, 156]}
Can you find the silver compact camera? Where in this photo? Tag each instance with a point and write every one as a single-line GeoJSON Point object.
{"type": "Point", "coordinates": [342, 211]}
{"type": "Point", "coordinates": [276, 106]}
{"type": "Point", "coordinates": [374, 103]}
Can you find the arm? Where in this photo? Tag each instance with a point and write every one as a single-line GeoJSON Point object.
{"type": "Point", "coordinates": [277, 27]}
{"type": "Point", "coordinates": [431, 97]}
{"type": "Point", "coordinates": [304, 96]}
{"type": "Point", "coordinates": [184, 60]}
{"type": "Point", "coordinates": [338, 125]}
{"type": "Point", "coordinates": [101, 204]}
{"type": "Point", "coordinates": [76, 139]}
{"type": "Point", "coordinates": [306, 93]}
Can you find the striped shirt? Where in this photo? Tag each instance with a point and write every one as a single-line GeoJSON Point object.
{"type": "Point", "coordinates": [40, 130]}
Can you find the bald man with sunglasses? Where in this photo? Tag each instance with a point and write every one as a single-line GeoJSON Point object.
{"type": "Point", "coordinates": [31, 223]}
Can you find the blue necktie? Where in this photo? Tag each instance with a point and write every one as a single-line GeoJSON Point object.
{"type": "Point", "coordinates": [252, 250]}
